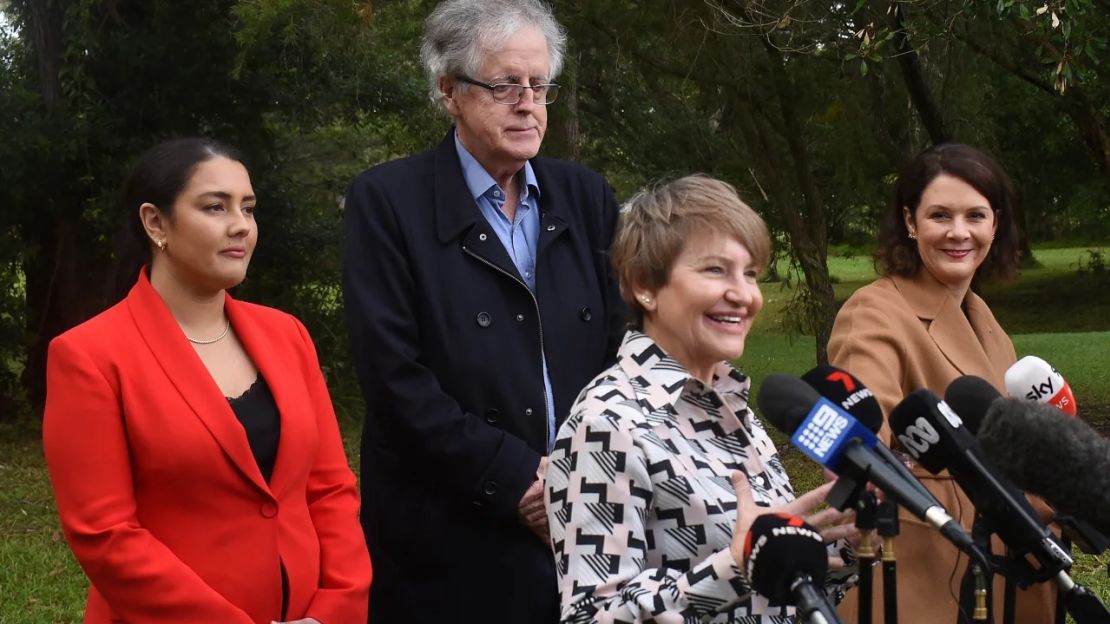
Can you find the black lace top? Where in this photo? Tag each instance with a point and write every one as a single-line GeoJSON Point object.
{"type": "Point", "coordinates": [259, 415]}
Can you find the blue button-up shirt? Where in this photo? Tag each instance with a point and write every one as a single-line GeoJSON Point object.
{"type": "Point", "coordinates": [520, 237]}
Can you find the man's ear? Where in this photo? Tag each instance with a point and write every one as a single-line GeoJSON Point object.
{"type": "Point", "coordinates": [448, 89]}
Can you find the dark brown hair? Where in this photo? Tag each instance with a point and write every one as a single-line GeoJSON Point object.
{"type": "Point", "coordinates": [158, 176]}
{"type": "Point", "coordinates": [897, 253]}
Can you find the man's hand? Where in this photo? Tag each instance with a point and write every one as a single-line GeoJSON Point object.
{"type": "Point", "coordinates": [531, 510]}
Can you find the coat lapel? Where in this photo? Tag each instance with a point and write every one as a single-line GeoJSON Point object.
{"type": "Point", "coordinates": [278, 362]}
{"type": "Point", "coordinates": [553, 222]}
{"type": "Point", "coordinates": [187, 374]}
{"type": "Point", "coordinates": [948, 326]}
{"type": "Point", "coordinates": [456, 212]}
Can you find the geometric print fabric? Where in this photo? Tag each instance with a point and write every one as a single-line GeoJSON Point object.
{"type": "Point", "coordinates": [639, 498]}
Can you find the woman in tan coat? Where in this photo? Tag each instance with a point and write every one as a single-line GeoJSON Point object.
{"type": "Point", "coordinates": [950, 224]}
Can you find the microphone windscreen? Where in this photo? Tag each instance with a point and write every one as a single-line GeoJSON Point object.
{"type": "Point", "coordinates": [970, 397]}
{"type": "Point", "coordinates": [1036, 380]}
{"type": "Point", "coordinates": [842, 388]}
{"type": "Point", "coordinates": [1047, 453]}
{"type": "Point", "coordinates": [779, 548]}
{"type": "Point", "coordinates": [785, 401]}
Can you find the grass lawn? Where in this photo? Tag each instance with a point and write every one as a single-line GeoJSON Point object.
{"type": "Point", "coordinates": [1049, 311]}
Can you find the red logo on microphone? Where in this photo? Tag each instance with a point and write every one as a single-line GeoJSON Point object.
{"type": "Point", "coordinates": [845, 380]}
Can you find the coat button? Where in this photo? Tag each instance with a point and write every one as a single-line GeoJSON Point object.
{"type": "Point", "coordinates": [268, 510]}
{"type": "Point", "coordinates": [482, 236]}
{"type": "Point", "coordinates": [490, 488]}
{"type": "Point", "coordinates": [551, 228]}
{"type": "Point", "coordinates": [527, 411]}
{"type": "Point", "coordinates": [484, 319]}
{"type": "Point", "coordinates": [585, 313]}
{"type": "Point", "coordinates": [492, 415]}
{"type": "Point", "coordinates": [519, 318]}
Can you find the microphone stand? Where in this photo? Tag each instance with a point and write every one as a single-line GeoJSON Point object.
{"type": "Point", "coordinates": [974, 592]}
{"type": "Point", "coordinates": [1009, 600]}
{"type": "Point", "coordinates": [1083, 605]}
{"type": "Point", "coordinates": [811, 607]}
{"type": "Point", "coordinates": [887, 524]}
{"type": "Point", "coordinates": [1087, 538]}
{"type": "Point", "coordinates": [866, 521]}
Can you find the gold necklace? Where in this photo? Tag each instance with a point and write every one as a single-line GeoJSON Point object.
{"type": "Point", "coordinates": [227, 328]}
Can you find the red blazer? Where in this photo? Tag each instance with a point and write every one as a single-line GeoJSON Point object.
{"type": "Point", "coordinates": [159, 495]}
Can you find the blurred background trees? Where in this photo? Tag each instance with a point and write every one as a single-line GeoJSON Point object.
{"type": "Point", "coordinates": [808, 107]}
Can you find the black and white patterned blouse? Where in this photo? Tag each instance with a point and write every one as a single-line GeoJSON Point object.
{"type": "Point", "coordinates": [639, 497]}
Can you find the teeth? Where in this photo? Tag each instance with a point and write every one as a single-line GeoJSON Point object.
{"type": "Point", "coordinates": [726, 319]}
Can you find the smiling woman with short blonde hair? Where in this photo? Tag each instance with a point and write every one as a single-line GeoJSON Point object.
{"type": "Point", "coordinates": [665, 217]}
{"type": "Point", "coordinates": [662, 465]}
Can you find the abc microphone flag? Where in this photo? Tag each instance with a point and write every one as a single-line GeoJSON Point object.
{"type": "Point", "coordinates": [1034, 379]}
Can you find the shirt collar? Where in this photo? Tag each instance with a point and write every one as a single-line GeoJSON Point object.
{"type": "Point", "coordinates": [660, 380]}
{"type": "Point", "coordinates": [479, 181]}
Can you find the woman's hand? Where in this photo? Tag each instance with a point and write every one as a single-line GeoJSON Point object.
{"type": "Point", "coordinates": [832, 523]}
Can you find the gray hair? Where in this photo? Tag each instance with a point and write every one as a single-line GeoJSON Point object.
{"type": "Point", "coordinates": [458, 31]}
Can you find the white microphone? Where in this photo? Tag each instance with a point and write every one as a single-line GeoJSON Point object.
{"type": "Point", "coordinates": [1034, 379]}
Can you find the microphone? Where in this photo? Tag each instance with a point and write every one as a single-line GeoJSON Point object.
{"type": "Point", "coordinates": [1061, 459]}
{"type": "Point", "coordinates": [844, 389]}
{"type": "Point", "coordinates": [786, 562]}
{"type": "Point", "coordinates": [1034, 379]}
{"type": "Point", "coordinates": [971, 397]}
{"type": "Point", "coordinates": [847, 391]}
{"type": "Point", "coordinates": [936, 437]}
{"type": "Point", "coordinates": [834, 439]}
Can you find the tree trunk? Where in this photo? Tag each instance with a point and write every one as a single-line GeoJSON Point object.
{"type": "Point", "coordinates": [562, 139]}
{"type": "Point", "coordinates": [64, 282]}
{"type": "Point", "coordinates": [46, 37]}
{"type": "Point", "coordinates": [808, 235]}
{"type": "Point", "coordinates": [1092, 127]}
{"type": "Point", "coordinates": [913, 74]}
{"type": "Point", "coordinates": [65, 286]}
{"type": "Point", "coordinates": [773, 178]}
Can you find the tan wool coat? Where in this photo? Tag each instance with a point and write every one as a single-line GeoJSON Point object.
{"type": "Point", "coordinates": [897, 335]}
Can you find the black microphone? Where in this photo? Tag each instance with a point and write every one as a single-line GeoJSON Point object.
{"type": "Point", "coordinates": [834, 439]}
{"type": "Point", "coordinates": [936, 436]}
{"type": "Point", "coordinates": [786, 562]}
{"type": "Point", "coordinates": [971, 397]}
{"type": "Point", "coordinates": [1059, 458]}
{"type": "Point", "coordinates": [844, 389]}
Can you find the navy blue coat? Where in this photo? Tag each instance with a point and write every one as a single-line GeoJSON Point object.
{"type": "Point", "coordinates": [446, 339]}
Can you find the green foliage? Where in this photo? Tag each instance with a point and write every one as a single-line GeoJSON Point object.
{"type": "Point", "coordinates": [1096, 265]}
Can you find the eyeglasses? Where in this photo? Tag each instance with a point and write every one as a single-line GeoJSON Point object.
{"type": "Point", "coordinates": [509, 93]}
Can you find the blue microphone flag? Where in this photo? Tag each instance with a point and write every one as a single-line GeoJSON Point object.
{"type": "Point", "coordinates": [826, 431]}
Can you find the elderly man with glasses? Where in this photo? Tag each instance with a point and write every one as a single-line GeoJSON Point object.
{"type": "Point", "coordinates": [479, 301]}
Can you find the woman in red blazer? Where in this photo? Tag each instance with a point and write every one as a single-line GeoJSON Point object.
{"type": "Point", "coordinates": [181, 504]}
